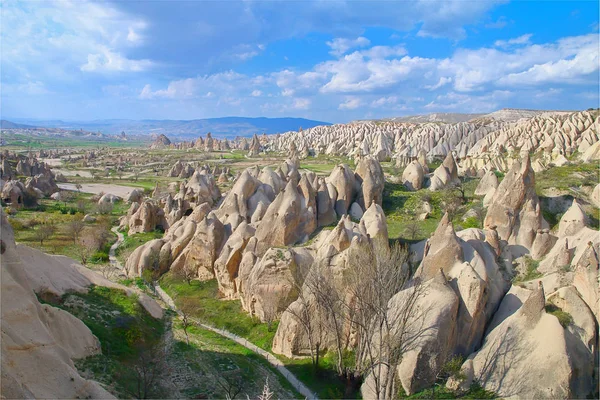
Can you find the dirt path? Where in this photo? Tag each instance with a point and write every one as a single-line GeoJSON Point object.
{"type": "Point", "coordinates": [271, 359]}
{"type": "Point", "coordinates": [112, 258]}
{"type": "Point", "coordinates": [95, 188]}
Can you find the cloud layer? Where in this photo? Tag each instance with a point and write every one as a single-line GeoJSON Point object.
{"type": "Point", "coordinates": [333, 60]}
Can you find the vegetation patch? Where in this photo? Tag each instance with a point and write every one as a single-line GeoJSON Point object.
{"type": "Point", "coordinates": [225, 314]}
{"type": "Point", "coordinates": [563, 317]}
{"type": "Point", "coordinates": [126, 332]}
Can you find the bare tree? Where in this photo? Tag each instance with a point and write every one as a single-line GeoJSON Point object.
{"type": "Point", "coordinates": [104, 207]}
{"type": "Point", "coordinates": [78, 187]}
{"type": "Point", "coordinates": [136, 174]}
{"type": "Point", "coordinates": [87, 245]}
{"type": "Point", "coordinates": [231, 382]}
{"type": "Point", "coordinates": [44, 231]}
{"type": "Point", "coordinates": [82, 206]}
{"type": "Point", "coordinates": [378, 274]}
{"type": "Point", "coordinates": [413, 230]}
{"type": "Point", "coordinates": [146, 369]}
{"type": "Point", "coordinates": [188, 273]}
{"type": "Point", "coordinates": [188, 307]}
{"type": "Point", "coordinates": [266, 394]}
{"type": "Point", "coordinates": [302, 310]}
{"type": "Point", "coordinates": [67, 196]}
{"type": "Point", "coordinates": [74, 229]}
{"type": "Point", "coordinates": [107, 271]}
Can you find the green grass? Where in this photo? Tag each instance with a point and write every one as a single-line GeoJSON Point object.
{"type": "Point", "coordinates": [61, 214]}
{"type": "Point", "coordinates": [17, 141]}
{"type": "Point", "coordinates": [226, 314]}
{"type": "Point", "coordinates": [325, 382]}
{"type": "Point", "coordinates": [439, 391]}
{"type": "Point", "coordinates": [402, 207]}
{"type": "Point", "coordinates": [229, 315]}
{"type": "Point", "coordinates": [567, 176]}
{"type": "Point", "coordinates": [121, 324]}
{"type": "Point", "coordinates": [531, 271]}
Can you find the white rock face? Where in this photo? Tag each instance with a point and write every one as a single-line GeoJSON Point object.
{"type": "Point", "coordinates": [529, 343]}
{"type": "Point", "coordinates": [481, 144]}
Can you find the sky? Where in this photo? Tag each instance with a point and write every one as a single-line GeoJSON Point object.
{"type": "Point", "coordinates": [327, 60]}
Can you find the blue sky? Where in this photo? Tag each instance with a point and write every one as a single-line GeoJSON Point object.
{"type": "Point", "coordinates": [328, 60]}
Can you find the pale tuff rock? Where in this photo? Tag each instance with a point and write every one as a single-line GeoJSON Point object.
{"type": "Point", "coordinates": [255, 147]}
{"type": "Point", "coordinates": [227, 265]}
{"type": "Point", "coordinates": [515, 208]}
{"type": "Point", "coordinates": [488, 183]}
{"type": "Point", "coordinates": [442, 250]}
{"type": "Point", "coordinates": [374, 224]}
{"type": "Point", "coordinates": [595, 196]}
{"type": "Point", "coordinates": [581, 337]}
{"type": "Point", "coordinates": [369, 176]}
{"type": "Point", "coordinates": [529, 343]}
{"type": "Point", "coordinates": [160, 142]}
{"type": "Point", "coordinates": [136, 196]}
{"type": "Point", "coordinates": [109, 198]}
{"type": "Point", "coordinates": [203, 249]}
{"type": "Point", "coordinates": [413, 176]}
{"type": "Point", "coordinates": [446, 175]}
{"type": "Point", "coordinates": [325, 213]}
{"type": "Point", "coordinates": [572, 221]}
{"type": "Point", "coordinates": [543, 243]}
{"type": "Point", "coordinates": [144, 217]}
{"type": "Point", "coordinates": [285, 221]}
{"type": "Point", "coordinates": [274, 282]}
{"type": "Point", "coordinates": [343, 180]}
{"type": "Point", "coordinates": [592, 153]}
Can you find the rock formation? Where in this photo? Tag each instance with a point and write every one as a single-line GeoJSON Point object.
{"type": "Point", "coordinates": [40, 342]}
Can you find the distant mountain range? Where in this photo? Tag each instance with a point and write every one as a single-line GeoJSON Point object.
{"type": "Point", "coordinates": [229, 127]}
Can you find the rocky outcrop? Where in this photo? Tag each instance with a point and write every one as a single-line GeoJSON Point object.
{"type": "Point", "coordinates": [573, 221]}
{"type": "Point", "coordinates": [160, 142]}
{"type": "Point", "coordinates": [144, 217]}
{"type": "Point", "coordinates": [487, 184]}
{"type": "Point", "coordinates": [446, 175]}
{"type": "Point", "coordinates": [527, 343]}
{"type": "Point", "coordinates": [413, 175]}
{"type": "Point", "coordinates": [515, 208]}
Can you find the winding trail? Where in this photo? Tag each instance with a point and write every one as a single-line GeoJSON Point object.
{"type": "Point", "coordinates": [271, 359]}
{"type": "Point", "coordinates": [112, 258]}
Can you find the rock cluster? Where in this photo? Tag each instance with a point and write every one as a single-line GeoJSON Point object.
{"type": "Point", "coordinates": [481, 144]}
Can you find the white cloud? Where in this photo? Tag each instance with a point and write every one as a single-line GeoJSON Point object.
{"type": "Point", "coordinates": [442, 82]}
{"type": "Point", "coordinates": [256, 93]}
{"type": "Point", "coordinates": [228, 85]}
{"type": "Point", "coordinates": [453, 101]}
{"type": "Point", "coordinates": [54, 38]}
{"type": "Point", "coordinates": [302, 104]}
{"type": "Point", "coordinates": [384, 101]}
{"type": "Point", "coordinates": [569, 59]}
{"type": "Point", "coordinates": [523, 39]}
{"type": "Point", "coordinates": [340, 46]}
{"type": "Point", "coordinates": [108, 61]}
{"type": "Point", "coordinates": [351, 103]}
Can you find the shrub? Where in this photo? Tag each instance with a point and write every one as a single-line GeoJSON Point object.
{"type": "Point", "coordinates": [564, 318]}
{"type": "Point", "coordinates": [471, 222]}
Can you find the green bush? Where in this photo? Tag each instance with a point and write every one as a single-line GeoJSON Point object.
{"type": "Point", "coordinates": [564, 318]}
{"type": "Point", "coordinates": [471, 222]}
{"type": "Point", "coordinates": [99, 257]}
